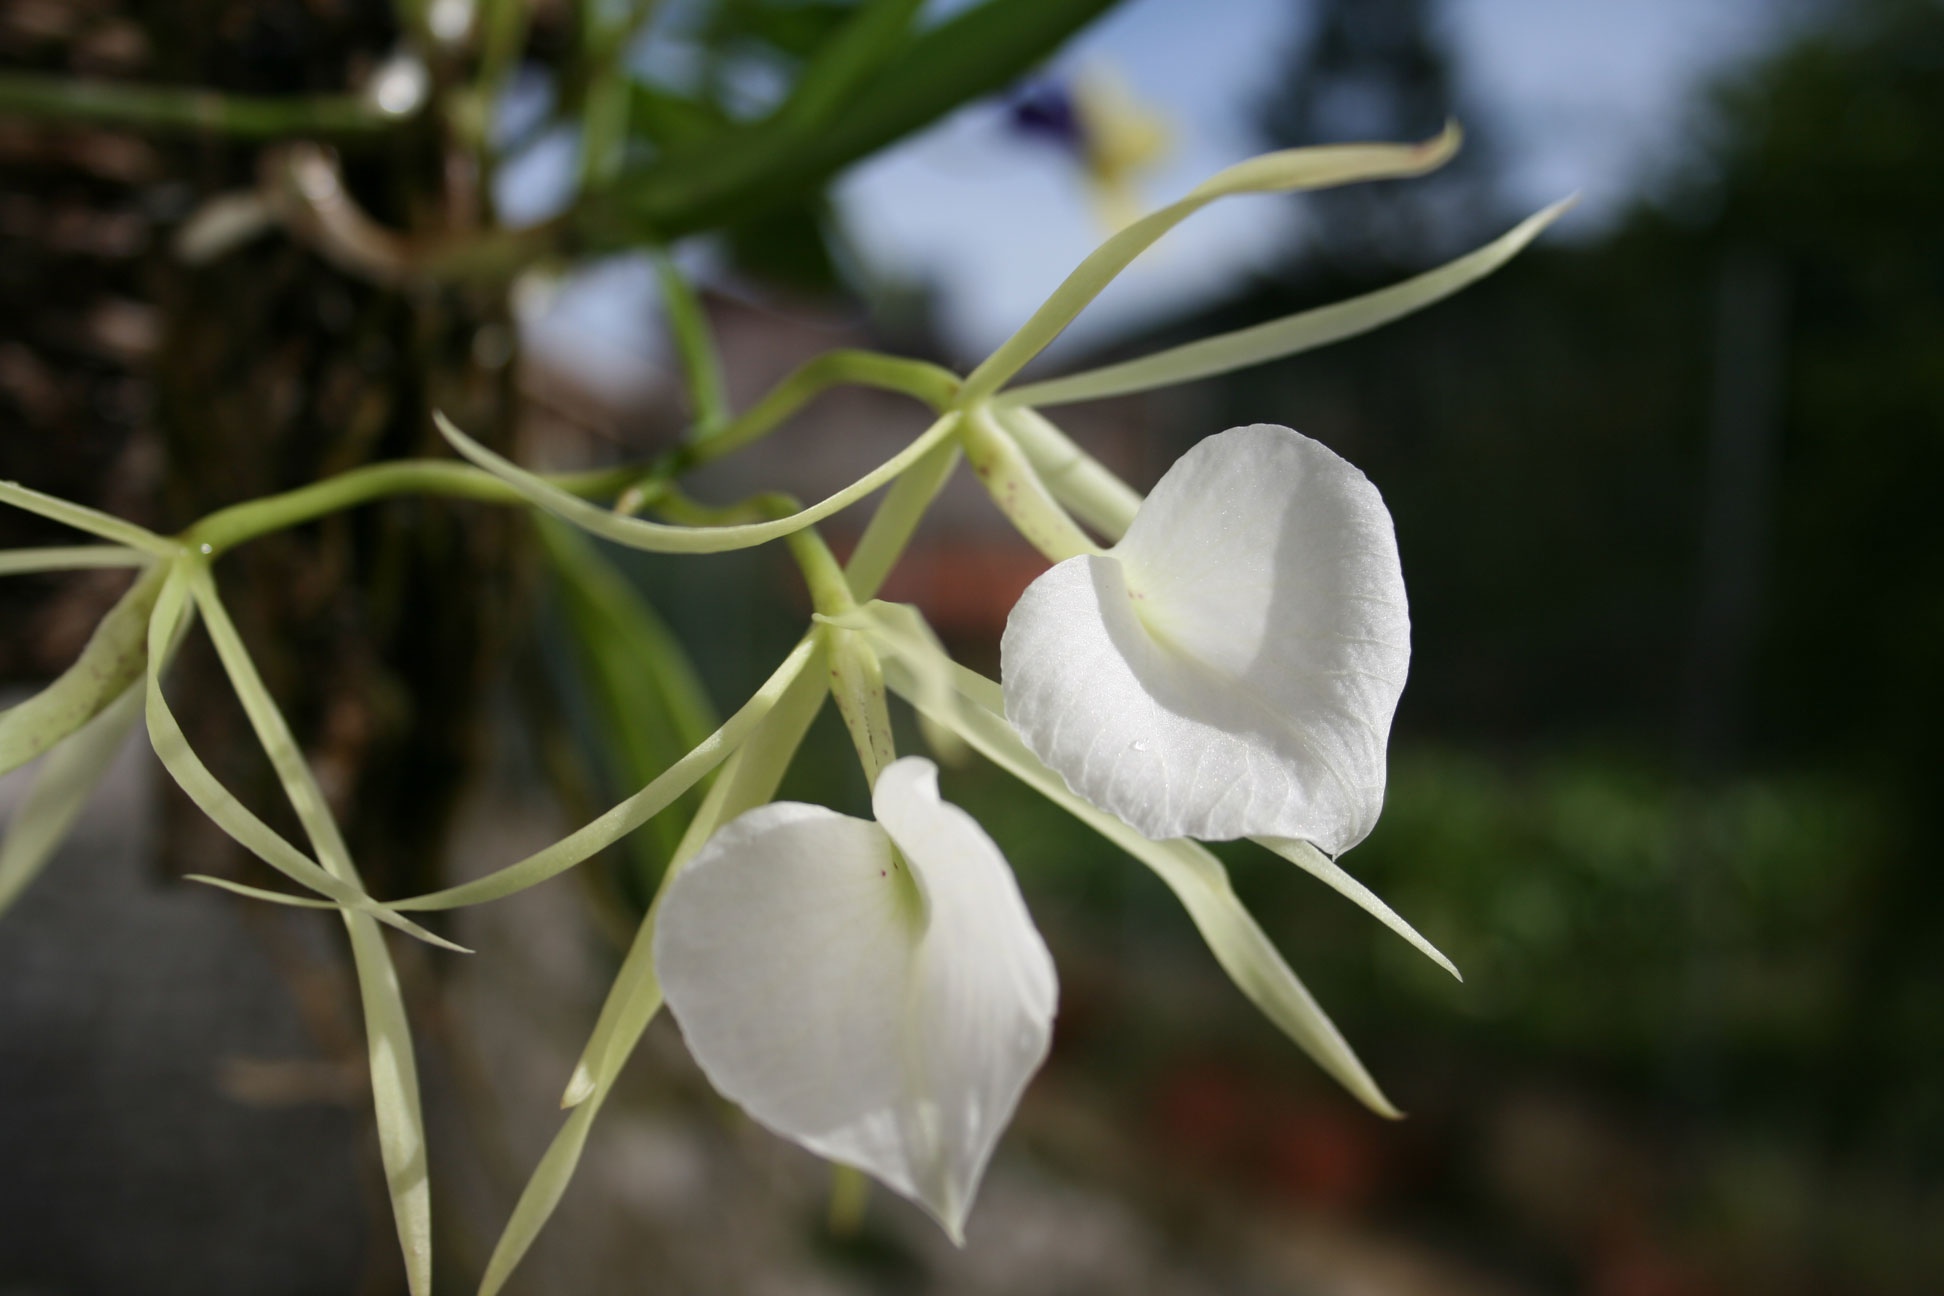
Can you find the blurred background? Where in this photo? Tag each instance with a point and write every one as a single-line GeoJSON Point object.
{"type": "Point", "coordinates": [1662, 782]}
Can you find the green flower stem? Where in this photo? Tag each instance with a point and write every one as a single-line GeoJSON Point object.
{"type": "Point", "coordinates": [933, 385]}
{"type": "Point", "coordinates": [176, 108]}
{"type": "Point", "coordinates": [227, 528]}
{"type": "Point", "coordinates": [1078, 480]}
{"type": "Point", "coordinates": [857, 684]}
{"type": "Point", "coordinates": [1009, 478]}
{"type": "Point", "coordinates": [856, 678]}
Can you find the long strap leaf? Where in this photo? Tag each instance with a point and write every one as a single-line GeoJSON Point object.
{"type": "Point", "coordinates": [977, 51]}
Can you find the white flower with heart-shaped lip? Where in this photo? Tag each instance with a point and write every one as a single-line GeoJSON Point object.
{"type": "Point", "coordinates": [876, 992]}
{"type": "Point", "coordinates": [1230, 667]}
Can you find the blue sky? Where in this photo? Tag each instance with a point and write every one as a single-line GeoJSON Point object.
{"type": "Point", "coordinates": [1597, 96]}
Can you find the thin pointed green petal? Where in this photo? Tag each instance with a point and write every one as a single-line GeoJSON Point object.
{"type": "Point", "coordinates": [1290, 335]}
{"type": "Point", "coordinates": [1309, 168]}
{"type": "Point", "coordinates": [749, 779]}
{"type": "Point", "coordinates": [61, 787]}
{"type": "Point", "coordinates": [897, 517]}
{"type": "Point", "coordinates": [388, 1033]}
{"type": "Point", "coordinates": [942, 681]}
{"type": "Point", "coordinates": [262, 893]}
{"type": "Point", "coordinates": [657, 537]}
{"type": "Point", "coordinates": [14, 562]}
{"type": "Point", "coordinates": [1198, 880]}
{"type": "Point", "coordinates": [218, 802]}
{"type": "Point", "coordinates": [649, 706]}
{"type": "Point", "coordinates": [543, 1192]}
{"type": "Point", "coordinates": [93, 521]}
{"type": "Point", "coordinates": [395, 1099]}
{"type": "Point", "coordinates": [1326, 870]}
{"type": "Point", "coordinates": [630, 814]}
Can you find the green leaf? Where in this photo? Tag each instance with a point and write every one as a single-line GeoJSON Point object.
{"type": "Point", "coordinates": [1290, 335]}
{"type": "Point", "coordinates": [657, 537]}
{"type": "Point", "coordinates": [971, 54]}
{"type": "Point", "coordinates": [789, 245]}
{"type": "Point", "coordinates": [1195, 876]}
{"type": "Point", "coordinates": [798, 28]}
{"type": "Point", "coordinates": [635, 997]}
{"type": "Point", "coordinates": [1321, 167]}
{"type": "Point", "coordinates": [646, 698]}
{"type": "Point", "coordinates": [848, 59]}
{"type": "Point", "coordinates": [388, 1035]}
{"type": "Point", "coordinates": [108, 664]}
{"type": "Point", "coordinates": [868, 38]}
{"type": "Point", "coordinates": [61, 787]}
{"type": "Point", "coordinates": [669, 120]}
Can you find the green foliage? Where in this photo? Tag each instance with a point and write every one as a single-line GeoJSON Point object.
{"type": "Point", "coordinates": [860, 93]}
{"type": "Point", "coordinates": [1592, 899]}
{"type": "Point", "coordinates": [644, 695]}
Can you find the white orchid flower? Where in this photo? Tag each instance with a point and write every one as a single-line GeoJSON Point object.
{"type": "Point", "coordinates": [875, 992]}
{"type": "Point", "coordinates": [1230, 667]}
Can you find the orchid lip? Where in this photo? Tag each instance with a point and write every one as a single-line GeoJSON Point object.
{"type": "Point", "coordinates": [1230, 668]}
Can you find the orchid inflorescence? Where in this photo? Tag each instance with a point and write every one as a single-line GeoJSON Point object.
{"type": "Point", "coordinates": [1226, 666]}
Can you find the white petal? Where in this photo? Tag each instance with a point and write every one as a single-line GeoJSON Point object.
{"type": "Point", "coordinates": [1230, 668]}
{"type": "Point", "coordinates": [882, 1012]}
